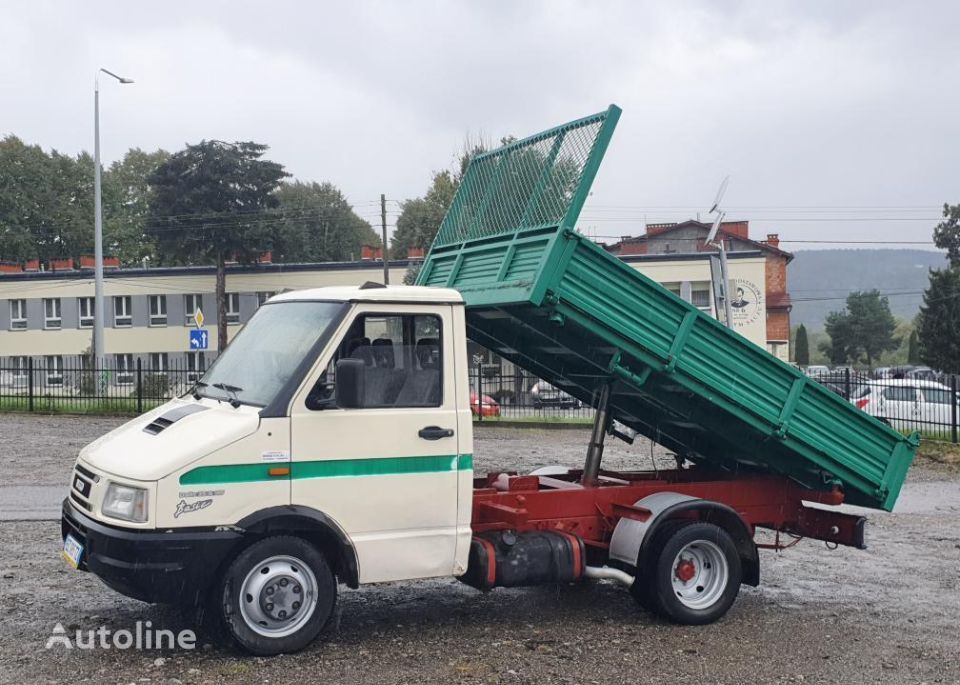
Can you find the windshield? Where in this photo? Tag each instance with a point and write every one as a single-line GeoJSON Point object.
{"type": "Point", "coordinates": [265, 354]}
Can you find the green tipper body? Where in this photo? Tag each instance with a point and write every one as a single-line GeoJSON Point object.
{"type": "Point", "coordinates": [551, 301]}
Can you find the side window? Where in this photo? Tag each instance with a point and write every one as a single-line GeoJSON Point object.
{"type": "Point", "coordinates": [403, 360]}
{"type": "Point", "coordinates": [900, 393]}
{"type": "Point", "coordinates": [936, 395]}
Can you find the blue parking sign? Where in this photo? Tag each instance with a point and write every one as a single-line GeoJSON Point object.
{"type": "Point", "coordinates": [198, 339]}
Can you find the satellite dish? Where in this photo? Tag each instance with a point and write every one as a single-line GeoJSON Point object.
{"type": "Point", "coordinates": [720, 192]}
{"type": "Point", "coordinates": [712, 235]}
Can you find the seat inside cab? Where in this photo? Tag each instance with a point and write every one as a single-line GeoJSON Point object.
{"type": "Point", "coordinates": [403, 360]}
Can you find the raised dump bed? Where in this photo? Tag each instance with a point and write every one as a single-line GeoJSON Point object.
{"type": "Point", "coordinates": [550, 300]}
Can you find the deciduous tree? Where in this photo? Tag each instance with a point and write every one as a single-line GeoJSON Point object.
{"type": "Point", "coordinates": [864, 330]}
{"type": "Point", "coordinates": [319, 225]}
{"type": "Point", "coordinates": [216, 200]}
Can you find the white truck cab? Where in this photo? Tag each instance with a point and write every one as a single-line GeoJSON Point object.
{"type": "Point", "coordinates": [334, 432]}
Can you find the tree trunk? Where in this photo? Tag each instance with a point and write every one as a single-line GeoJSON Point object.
{"type": "Point", "coordinates": [221, 304]}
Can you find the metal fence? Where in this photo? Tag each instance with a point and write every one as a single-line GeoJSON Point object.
{"type": "Point", "coordinates": [77, 385]}
{"type": "Point", "coordinates": [929, 403]}
{"type": "Point", "coordinates": [908, 400]}
{"type": "Point", "coordinates": [518, 395]}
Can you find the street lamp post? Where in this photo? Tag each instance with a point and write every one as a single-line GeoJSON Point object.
{"type": "Point", "coordinates": [98, 221]}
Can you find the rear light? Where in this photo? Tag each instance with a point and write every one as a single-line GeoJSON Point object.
{"type": "Point", "coordinates": [862, 404]}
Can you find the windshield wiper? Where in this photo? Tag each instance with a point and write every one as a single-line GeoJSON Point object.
{"type": "Point", "coordinates": [232, 390]}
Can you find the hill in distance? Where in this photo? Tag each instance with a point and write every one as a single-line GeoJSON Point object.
{"type": "Point", "coordinates": [820, 280]}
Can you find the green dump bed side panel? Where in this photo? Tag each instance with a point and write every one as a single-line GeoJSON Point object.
{"type": "Point", "coordinates": [556, 304]}
{"type": "Point", "coordinates": [548, 299]}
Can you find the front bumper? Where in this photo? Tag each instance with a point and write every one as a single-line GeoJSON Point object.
{"type": "Point", "coordinates": [176, 567]}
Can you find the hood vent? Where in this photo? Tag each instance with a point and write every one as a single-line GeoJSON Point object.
{"type": "Point", "coordinates": [163, 422]}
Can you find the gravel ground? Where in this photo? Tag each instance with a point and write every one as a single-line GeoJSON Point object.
{"type": "Point", "coordinates": [887, 614]}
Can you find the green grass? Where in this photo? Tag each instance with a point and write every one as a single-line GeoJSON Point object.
{"type": "Point", "coordinates": [535, 420]}
{"type": "Point", "coordinates": [942, 452]}
{"type": "Point", "coordinates": [70, 405]}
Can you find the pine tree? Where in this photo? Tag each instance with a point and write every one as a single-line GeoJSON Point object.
{"type": "Point", "coordinates": [802, 347]}
{"type": "Point", "coordinates": [939, 322]}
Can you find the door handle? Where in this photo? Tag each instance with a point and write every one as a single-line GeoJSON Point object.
{"type": "Point", "coordinates": [435, 433]}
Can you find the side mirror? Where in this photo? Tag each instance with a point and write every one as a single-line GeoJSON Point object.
{"type": "Point", "coordinates": [349, 383]}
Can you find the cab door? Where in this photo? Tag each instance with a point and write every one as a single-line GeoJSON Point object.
{"type": "Point", "coordinates": [387, 472]}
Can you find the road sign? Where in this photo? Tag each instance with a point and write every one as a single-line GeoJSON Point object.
{"type": "Point", "coordinates": [198, 318]}
{"type": "Point", "coordinates": [199, 339]}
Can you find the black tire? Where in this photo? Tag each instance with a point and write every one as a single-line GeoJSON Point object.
{"type": "Point", "coordinates": [710, 592]}
{"type": "Point", "coordinates": [643, 584]}
{"type": "Point", "coordinates": [286, 563]}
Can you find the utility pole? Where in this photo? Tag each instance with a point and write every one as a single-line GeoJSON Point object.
{"type": "Point", "coordinates": [98, 308]}
{"type": "Point", "coordinates": [383, 226]}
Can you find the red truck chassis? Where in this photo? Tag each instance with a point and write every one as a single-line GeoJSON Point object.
{"type": "Point", "coordinates": [562, 503]}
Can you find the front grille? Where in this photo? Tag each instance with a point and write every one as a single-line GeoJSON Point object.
{"type": "Point", "coordinates": [82, 485]}
{"type": "Point", "coordinates": [79, 502]}
{"type": "Point", "coordinates": [87, 472]}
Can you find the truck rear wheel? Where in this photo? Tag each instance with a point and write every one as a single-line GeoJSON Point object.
{"type": "Point", "coordinates": [277, 595]}
{"type": "Point", "coordinates": [695, 574]}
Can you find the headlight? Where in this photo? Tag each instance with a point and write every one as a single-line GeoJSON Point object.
{"type": "Point", "coordinates": [125, 502]}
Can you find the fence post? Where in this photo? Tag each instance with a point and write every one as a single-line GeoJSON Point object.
{"type": "Point", "coordinates": [139, 386]}
{"type": "Point", "coordinates": [30, 383]}
{"type": "Point", "coordinates": [479, 391]}
{"type": "Point", "coordinates": [953, 407]}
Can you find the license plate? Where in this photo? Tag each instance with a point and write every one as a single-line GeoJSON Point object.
{"type": "Point", "coordinates": [72, 550]}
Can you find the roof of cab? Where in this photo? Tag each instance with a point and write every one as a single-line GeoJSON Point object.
{"type": "Point", "coordinates": [374, 292]}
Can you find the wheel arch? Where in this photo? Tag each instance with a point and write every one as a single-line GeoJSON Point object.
{"type": "Point", "coordinates": [632, 540]}
{"type": "Point", "coordinates": [314, 526]}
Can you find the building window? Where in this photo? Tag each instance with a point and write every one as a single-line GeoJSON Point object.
{"type": "Point", "coordinates": [263, 297]}
{"type": "Point", "coordinates": [51, 313]}
{"type": "Point", "coordinates": [233, 307]}
{"type": "Point", "coordinates": [55, 370]}
{"type": "Point", "coordinates": [122, 316]}
{"type": "Point", "coordinates": [85, 305]}
{"type": "Point", "coordinates": [158, 310]}
{"type": "Point", "coordinates": [18, 315]}
{"type": "Point", "coordinates": [125, 369]}
{"type": "Point", "coordinates": [191, 305]}
{"type": "Point", "coordinates": [196, 366]}
{"type": "Point", "coordinates": [672, 287]}
{"type": "Point", "coordinates": [158, 362]}
{"type": "Point", "coordinates": [700, 296]}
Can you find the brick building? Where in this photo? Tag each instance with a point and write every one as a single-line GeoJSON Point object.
{"type": "Point", "coordinates": [664, 241]}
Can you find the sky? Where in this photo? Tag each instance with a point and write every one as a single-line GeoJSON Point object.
{"type": "Point", "coordinates": [834, 121]}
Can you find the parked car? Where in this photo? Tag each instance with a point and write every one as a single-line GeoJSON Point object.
{"type": "Point", "coordinates": [546, 395]}
{"type": "Point", "coordinates": [838, 389]}
{"type": "Point", "coordinates": [488, 407]}
{"type": "Point", "coordinates": [817, 371]}
{"type": "Point", "coordinates": [922, 373]}
{"type": "Point", "coordinates": [908, 404]}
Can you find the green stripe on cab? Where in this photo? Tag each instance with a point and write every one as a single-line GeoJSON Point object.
{"type": "Point", "coordinates": [328, 468]}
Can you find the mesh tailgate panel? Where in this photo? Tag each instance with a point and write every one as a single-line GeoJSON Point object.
{"type": "Point", "coordinates": [536, 182]}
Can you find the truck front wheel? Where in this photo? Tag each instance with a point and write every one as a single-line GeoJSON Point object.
{"type": "Point", "coordinates": [695, 577]}
{"type": "Point", "coordinates": [277, 595]}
